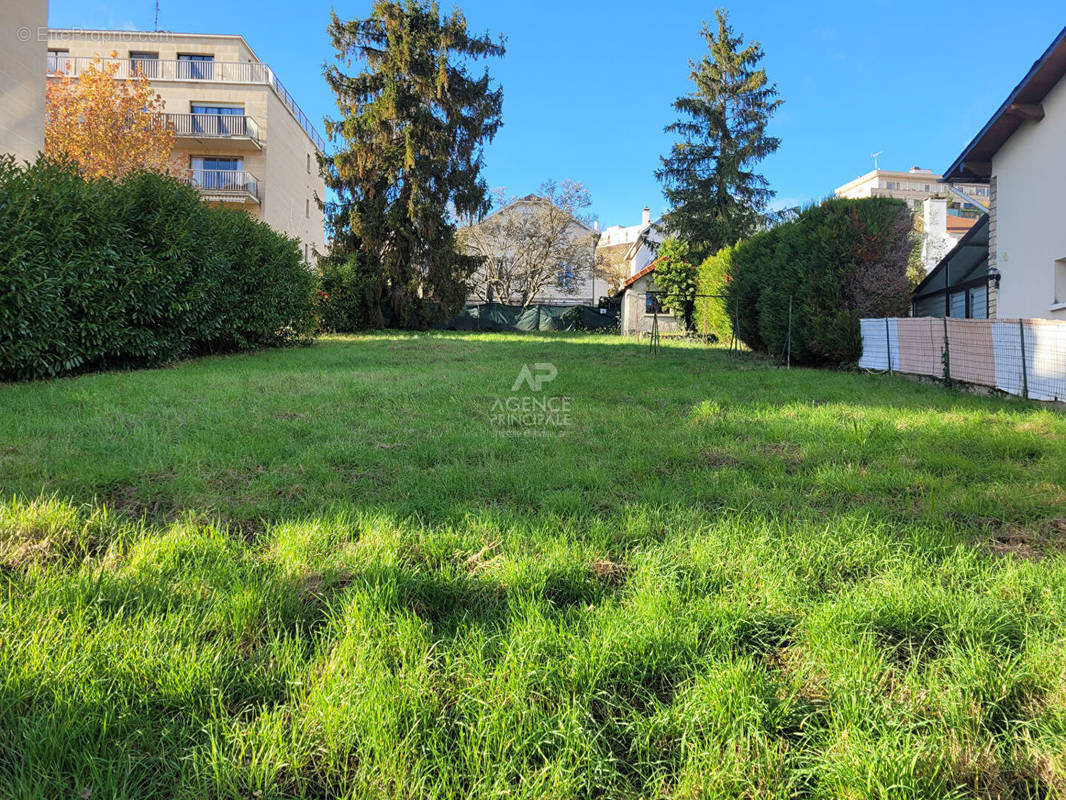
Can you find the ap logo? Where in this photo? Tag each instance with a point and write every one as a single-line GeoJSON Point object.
{"type": "Point", "coordinates": [535, 378]}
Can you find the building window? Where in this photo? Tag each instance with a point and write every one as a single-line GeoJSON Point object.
{"type": "Point", "coordinates": [195, 67]}
{"type": "Point", "coordinates": [652, 304]}
{"type": "Point", "coordinates": [565, 278]}
{"type": "Point", "coordinates": [926, 187]}
{"type": "Point", "coordinates": [308, 163]}
{"type": "Point", "coordinates": [146, 64]}
{"type": "Point", "coordinates": [218, 120]}
{"type": "Point", "coordinates": [977, 303]}
{"type": "Point", "coordinates": [211, 172]}
{"type": "Point", "coordinates": [307, 209]}
{"type": "Point", "coordinates": [307, 253]}
{"type": "Point", "coordinates": [58, 61]}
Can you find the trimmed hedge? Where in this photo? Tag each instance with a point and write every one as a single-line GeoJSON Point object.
{"type": "Point", "coordinates": [711, 314]}
{"type": "Point", "coordinates": [838, 262]}
{"type": "Point", "coordinates": [100, 275]}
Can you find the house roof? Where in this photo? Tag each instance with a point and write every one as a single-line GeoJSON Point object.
{"type": "Point", "coordinates": [536, 198]}
{"type": "Point", "coordinates": [957, 224]}
{"type": "Point", "coordinates": [636, 276]}
{"type": "Point", "coordinates": [1022, 104]}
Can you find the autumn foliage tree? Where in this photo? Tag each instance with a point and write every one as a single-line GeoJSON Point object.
{"type": "Point", "coordinates": [108, 127]}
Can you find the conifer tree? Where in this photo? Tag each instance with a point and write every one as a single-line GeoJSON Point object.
{"type": "Point", "coordinates": [411, 132]}
{"type": "Point", "coordinates": [709, 177]}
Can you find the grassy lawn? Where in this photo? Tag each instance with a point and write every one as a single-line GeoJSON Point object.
{"type": "Point", "coordinates": [335, 571]}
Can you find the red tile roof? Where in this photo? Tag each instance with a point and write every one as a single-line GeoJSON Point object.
{"type": "Point", "coordinates": [637, 276]}
{"type": "Point", "coordinates": [957, 224]}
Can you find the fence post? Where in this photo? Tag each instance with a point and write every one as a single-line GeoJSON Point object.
{"type": "Point", "coordinates": [947, 352]}
{"type": "Point", "coordinates": [788, 342]}
{"type": "Point", "coordinates": [734, 340]}
{"type": "Point", "coordinates": [1025, 376]}
{"type": "Point", "coordinates": [888, 346]}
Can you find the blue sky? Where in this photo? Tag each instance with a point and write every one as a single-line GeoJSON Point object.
{"type": "Point", "coordinates": [588, 86]}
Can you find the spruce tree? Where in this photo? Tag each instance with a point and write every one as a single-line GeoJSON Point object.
{"type": "Point", "coordinates": [411, 132]}
{"type": "Point", "coordinates": [709, 177]}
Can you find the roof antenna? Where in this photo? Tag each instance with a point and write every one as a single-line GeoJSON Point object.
{"type": "Point", "coordinates": [872, 155]}
{"type": "Point", "coordinates": [157, 15]}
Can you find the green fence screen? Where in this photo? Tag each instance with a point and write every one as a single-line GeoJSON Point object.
{"type": "Point", "coordinates": [498, 317]}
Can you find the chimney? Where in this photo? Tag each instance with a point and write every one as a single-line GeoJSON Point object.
{"type": "Point", "coordinates": [934, 216]}
{"type": "Point", "coordinates": [645, 217]}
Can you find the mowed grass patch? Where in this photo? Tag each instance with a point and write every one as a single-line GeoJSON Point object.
{"type": "Point", "coordinates": [335, 572]}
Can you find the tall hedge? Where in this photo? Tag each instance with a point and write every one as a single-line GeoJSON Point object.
{"type": "Point", "coordinates": [837, 262]}
{"type": "Point", "coordinates": [712, 315]}
{"type": "Point", "coordinates": [96, 274]}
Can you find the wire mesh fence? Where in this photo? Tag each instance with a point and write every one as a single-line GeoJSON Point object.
{"type": "Point", "coordinates": [1023, 357]}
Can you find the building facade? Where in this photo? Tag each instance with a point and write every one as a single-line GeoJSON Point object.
{"type": "Point", "coordinates": [642, 310]}
{"type": "Point", "coordinates": [22, 59]}
{"type": "Point", "coordinates": [913, 187]}
{"type": "Point", "coordinates": [624, 250]}
{"type": "Point", "coordinates": [1020, 153]}
{"type": "Point", "coordinates": [241, 138]}
{"type": "Point", "coordinates": [941, 231]}
{"type": "Point", "coordinates": [531, 242]}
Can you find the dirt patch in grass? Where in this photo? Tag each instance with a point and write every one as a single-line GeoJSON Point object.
{"type": "Point", "coordinates": [128, 499]}
{"type": "Point", "coordinates": [610, 573]}
{"type": "Point", "coordinates": [1028, 542]}
{"type": "Point", "coordinates": [716, 459]}
{"type": "Point", "coordinates": [787, 452]}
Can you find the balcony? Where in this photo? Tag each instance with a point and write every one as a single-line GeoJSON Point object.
{"type": "Point", "coordinates": [159, 69]}
{"type": "Point", "coordinates": [205, 127]}
{"type": "Point", "coordinates": [224, 185]}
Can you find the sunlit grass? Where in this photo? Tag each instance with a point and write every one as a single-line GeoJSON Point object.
{"type": "Point", "coordinates": [327, 572]}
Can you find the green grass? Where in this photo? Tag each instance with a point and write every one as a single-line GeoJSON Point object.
{"type": "Point", "coordinates": [328, 572]}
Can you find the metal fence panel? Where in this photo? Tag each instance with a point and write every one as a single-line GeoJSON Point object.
{"type": "Point", "coordinates": [921, 346]}
{"type": "Point", "coordinates": [971, 355]}
{"type": "Point", "coordinates": [1008, 349]}
{"type": "Point", "coordinates": [1045, 353]}
{"type": "Point", "coordinates": [1020, 357]}
{"type": "Point", "coordinates": [874, 344]}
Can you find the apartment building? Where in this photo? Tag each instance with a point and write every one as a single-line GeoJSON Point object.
{"type": "Point", "coordinates": [913, 187]}
{"type": "Point", "coordinates": [21, 82]}
{"type": "Point", "coordinates": [241, 137]}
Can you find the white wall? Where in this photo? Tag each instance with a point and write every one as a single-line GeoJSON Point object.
{"type": "Point", "coordinates": [22, 66]}
{"type": "Point", "coordinates": [1030, 170]}
{"type": "Point", "coordinates": [936, 243]}
{"type": "Point", "coordinates": [587, 287]}
{"type": "Point", "coordinates": [635, 319]}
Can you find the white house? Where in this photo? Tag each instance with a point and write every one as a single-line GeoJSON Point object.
{"type": "Point", "coordinates": [1021, 154]}
{"type": "Point", "coordinates": [642, 309]}
{"type": "Point", "coordinates": [534, 252]}
{"type": "Point", "coordinates": [631, 248]}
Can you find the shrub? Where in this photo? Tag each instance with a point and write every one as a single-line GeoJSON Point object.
{"type": "Point", "coordinates": [348, 297]}
{"type": "Point", "coordinates": [711, 314]}
{"type": "Point", "coordinates": [96, 274]}
{"type": "Point", "coordinates": [675, 278]}
{"type": "Point", "coordinates": [835, 263]}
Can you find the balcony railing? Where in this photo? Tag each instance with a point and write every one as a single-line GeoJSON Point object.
{"type": "Point", "coordinates": [214, 126]}
{"type": "Point", "coordinates": [181, 70]}
{"type": "Point", "coordinates": [224, 184]}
